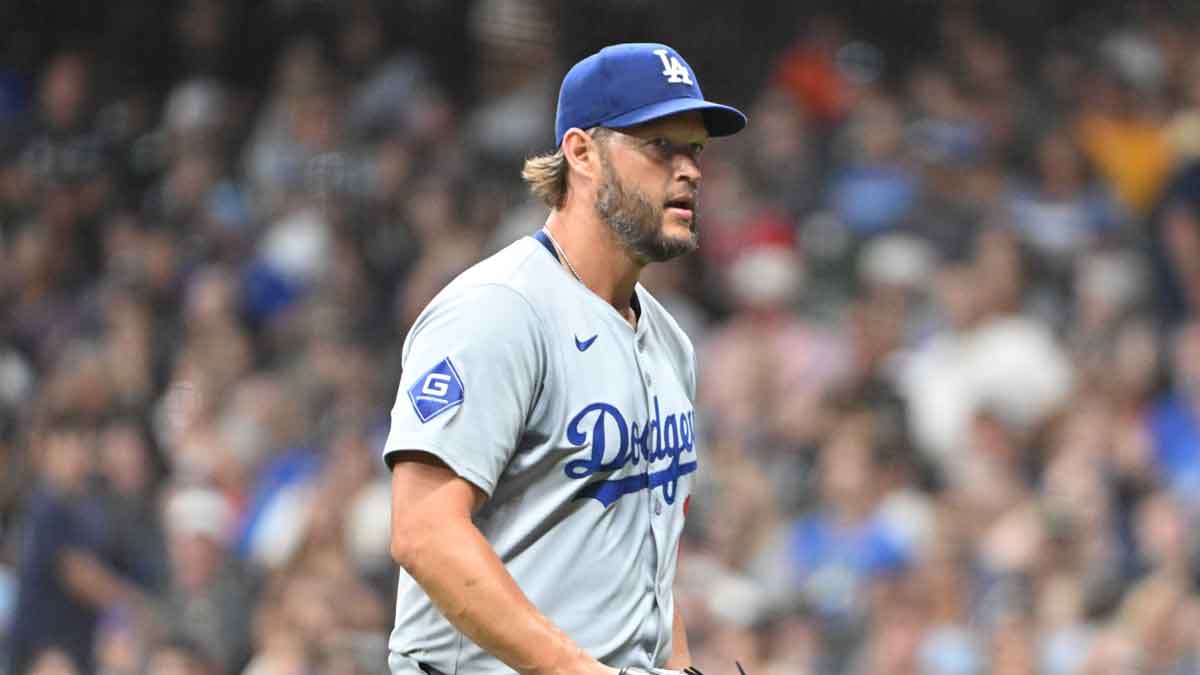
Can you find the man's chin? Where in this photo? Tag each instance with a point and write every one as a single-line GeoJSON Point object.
{"type": "Point", "coordinates": [672, 245]}
{"type": "Point", "coordinates": [678, 231]}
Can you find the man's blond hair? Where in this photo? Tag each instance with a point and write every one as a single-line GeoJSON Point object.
{"type": "Point", "coordinates": [547, 174]}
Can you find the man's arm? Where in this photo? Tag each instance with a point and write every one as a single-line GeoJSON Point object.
{"type": "Point", "coordinates": [435, 541]}
{"type": "Point", "coordinates": [681, 656]}
{"type": "Point", "coordinates": [91, 582]}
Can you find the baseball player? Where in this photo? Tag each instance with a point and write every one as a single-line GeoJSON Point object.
{"type": "Point", "coordinates": [543, 440]}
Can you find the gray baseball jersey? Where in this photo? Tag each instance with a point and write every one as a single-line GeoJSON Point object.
{"type": "Point", "coordinates": [581, 431]}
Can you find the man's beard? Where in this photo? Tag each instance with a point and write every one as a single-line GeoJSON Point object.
{"type": "Point", "coordinates": [638, 223]}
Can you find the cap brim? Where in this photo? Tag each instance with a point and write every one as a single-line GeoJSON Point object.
{"type": "Point", "coordinates": [719, 120]}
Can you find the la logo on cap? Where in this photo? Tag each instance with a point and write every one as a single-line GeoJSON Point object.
{"type": "Point", "coordinates": [676, 72]}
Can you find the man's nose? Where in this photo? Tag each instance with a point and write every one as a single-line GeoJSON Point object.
{"type": "Point", "coordinates": [688, 169]}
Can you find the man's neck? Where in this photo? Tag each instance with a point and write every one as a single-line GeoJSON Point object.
{"type": "Point", "coordinates": [603, 264]}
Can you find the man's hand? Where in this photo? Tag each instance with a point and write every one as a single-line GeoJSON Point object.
{"type": "Point", "coordinates": [634, 670]}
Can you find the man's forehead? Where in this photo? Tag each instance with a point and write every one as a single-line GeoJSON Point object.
{"type": "Point", "coordinates": [687, 125]}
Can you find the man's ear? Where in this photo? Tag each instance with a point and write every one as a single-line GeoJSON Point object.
{"type": "Point", "coordinates": [582, 152]}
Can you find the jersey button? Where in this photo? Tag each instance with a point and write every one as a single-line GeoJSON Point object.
{"type": "Point", "coordinates": [657, 507]}
{"type": "Point", "coordinates": [649, 380]}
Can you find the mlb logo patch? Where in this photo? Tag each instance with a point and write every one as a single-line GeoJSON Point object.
{"type": "Point", "coordinates": [436, 391]}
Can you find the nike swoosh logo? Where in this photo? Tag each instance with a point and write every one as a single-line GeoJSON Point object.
{"type": "Point", "coordinates": [583, 345]}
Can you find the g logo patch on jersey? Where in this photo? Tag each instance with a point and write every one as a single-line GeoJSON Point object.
{"type": "Point", "coordinates": [437, 391]}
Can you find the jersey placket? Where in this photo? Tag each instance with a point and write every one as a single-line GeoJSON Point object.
{"type": "Point", "coordinates": [653, 504]}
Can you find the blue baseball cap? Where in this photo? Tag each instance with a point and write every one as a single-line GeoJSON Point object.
{"type": "Point", "coordinates": [627, 84]}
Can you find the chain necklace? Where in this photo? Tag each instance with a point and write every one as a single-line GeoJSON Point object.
{"type": "Point", "coordinates": [563, 255]}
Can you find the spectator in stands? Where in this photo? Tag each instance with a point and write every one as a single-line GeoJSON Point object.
{"type": "Point", "coordinates": [69, 570]}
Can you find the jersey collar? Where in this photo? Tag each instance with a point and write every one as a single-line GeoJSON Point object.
{"type": "Point", "coordinates": [544, 240]}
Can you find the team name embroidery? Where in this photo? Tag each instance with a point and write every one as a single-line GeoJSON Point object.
{"type": "Point", "coordinates": [661, 438]}
{"type": "Point", "coordinates": [676, 72]}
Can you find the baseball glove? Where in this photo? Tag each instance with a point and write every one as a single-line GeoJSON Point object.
{"type": "Point", "coordinates": [634, 670]}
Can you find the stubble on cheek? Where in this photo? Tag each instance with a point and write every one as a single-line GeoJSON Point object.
{"type": "Point", "coordinates": [638, 223]}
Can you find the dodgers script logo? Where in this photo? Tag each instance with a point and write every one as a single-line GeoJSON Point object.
{"type": "Point", "coordinates": [661, 438]}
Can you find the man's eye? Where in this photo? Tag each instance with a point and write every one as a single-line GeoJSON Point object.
{"type": "Point", "coordinates": [697, 148]}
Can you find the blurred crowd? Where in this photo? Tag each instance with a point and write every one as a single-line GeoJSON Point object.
{"type": "Point", "coordinates": [947, 311]}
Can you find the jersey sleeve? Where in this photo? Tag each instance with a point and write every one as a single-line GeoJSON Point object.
{"type": "Point", "coordinates": [471, 370]}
